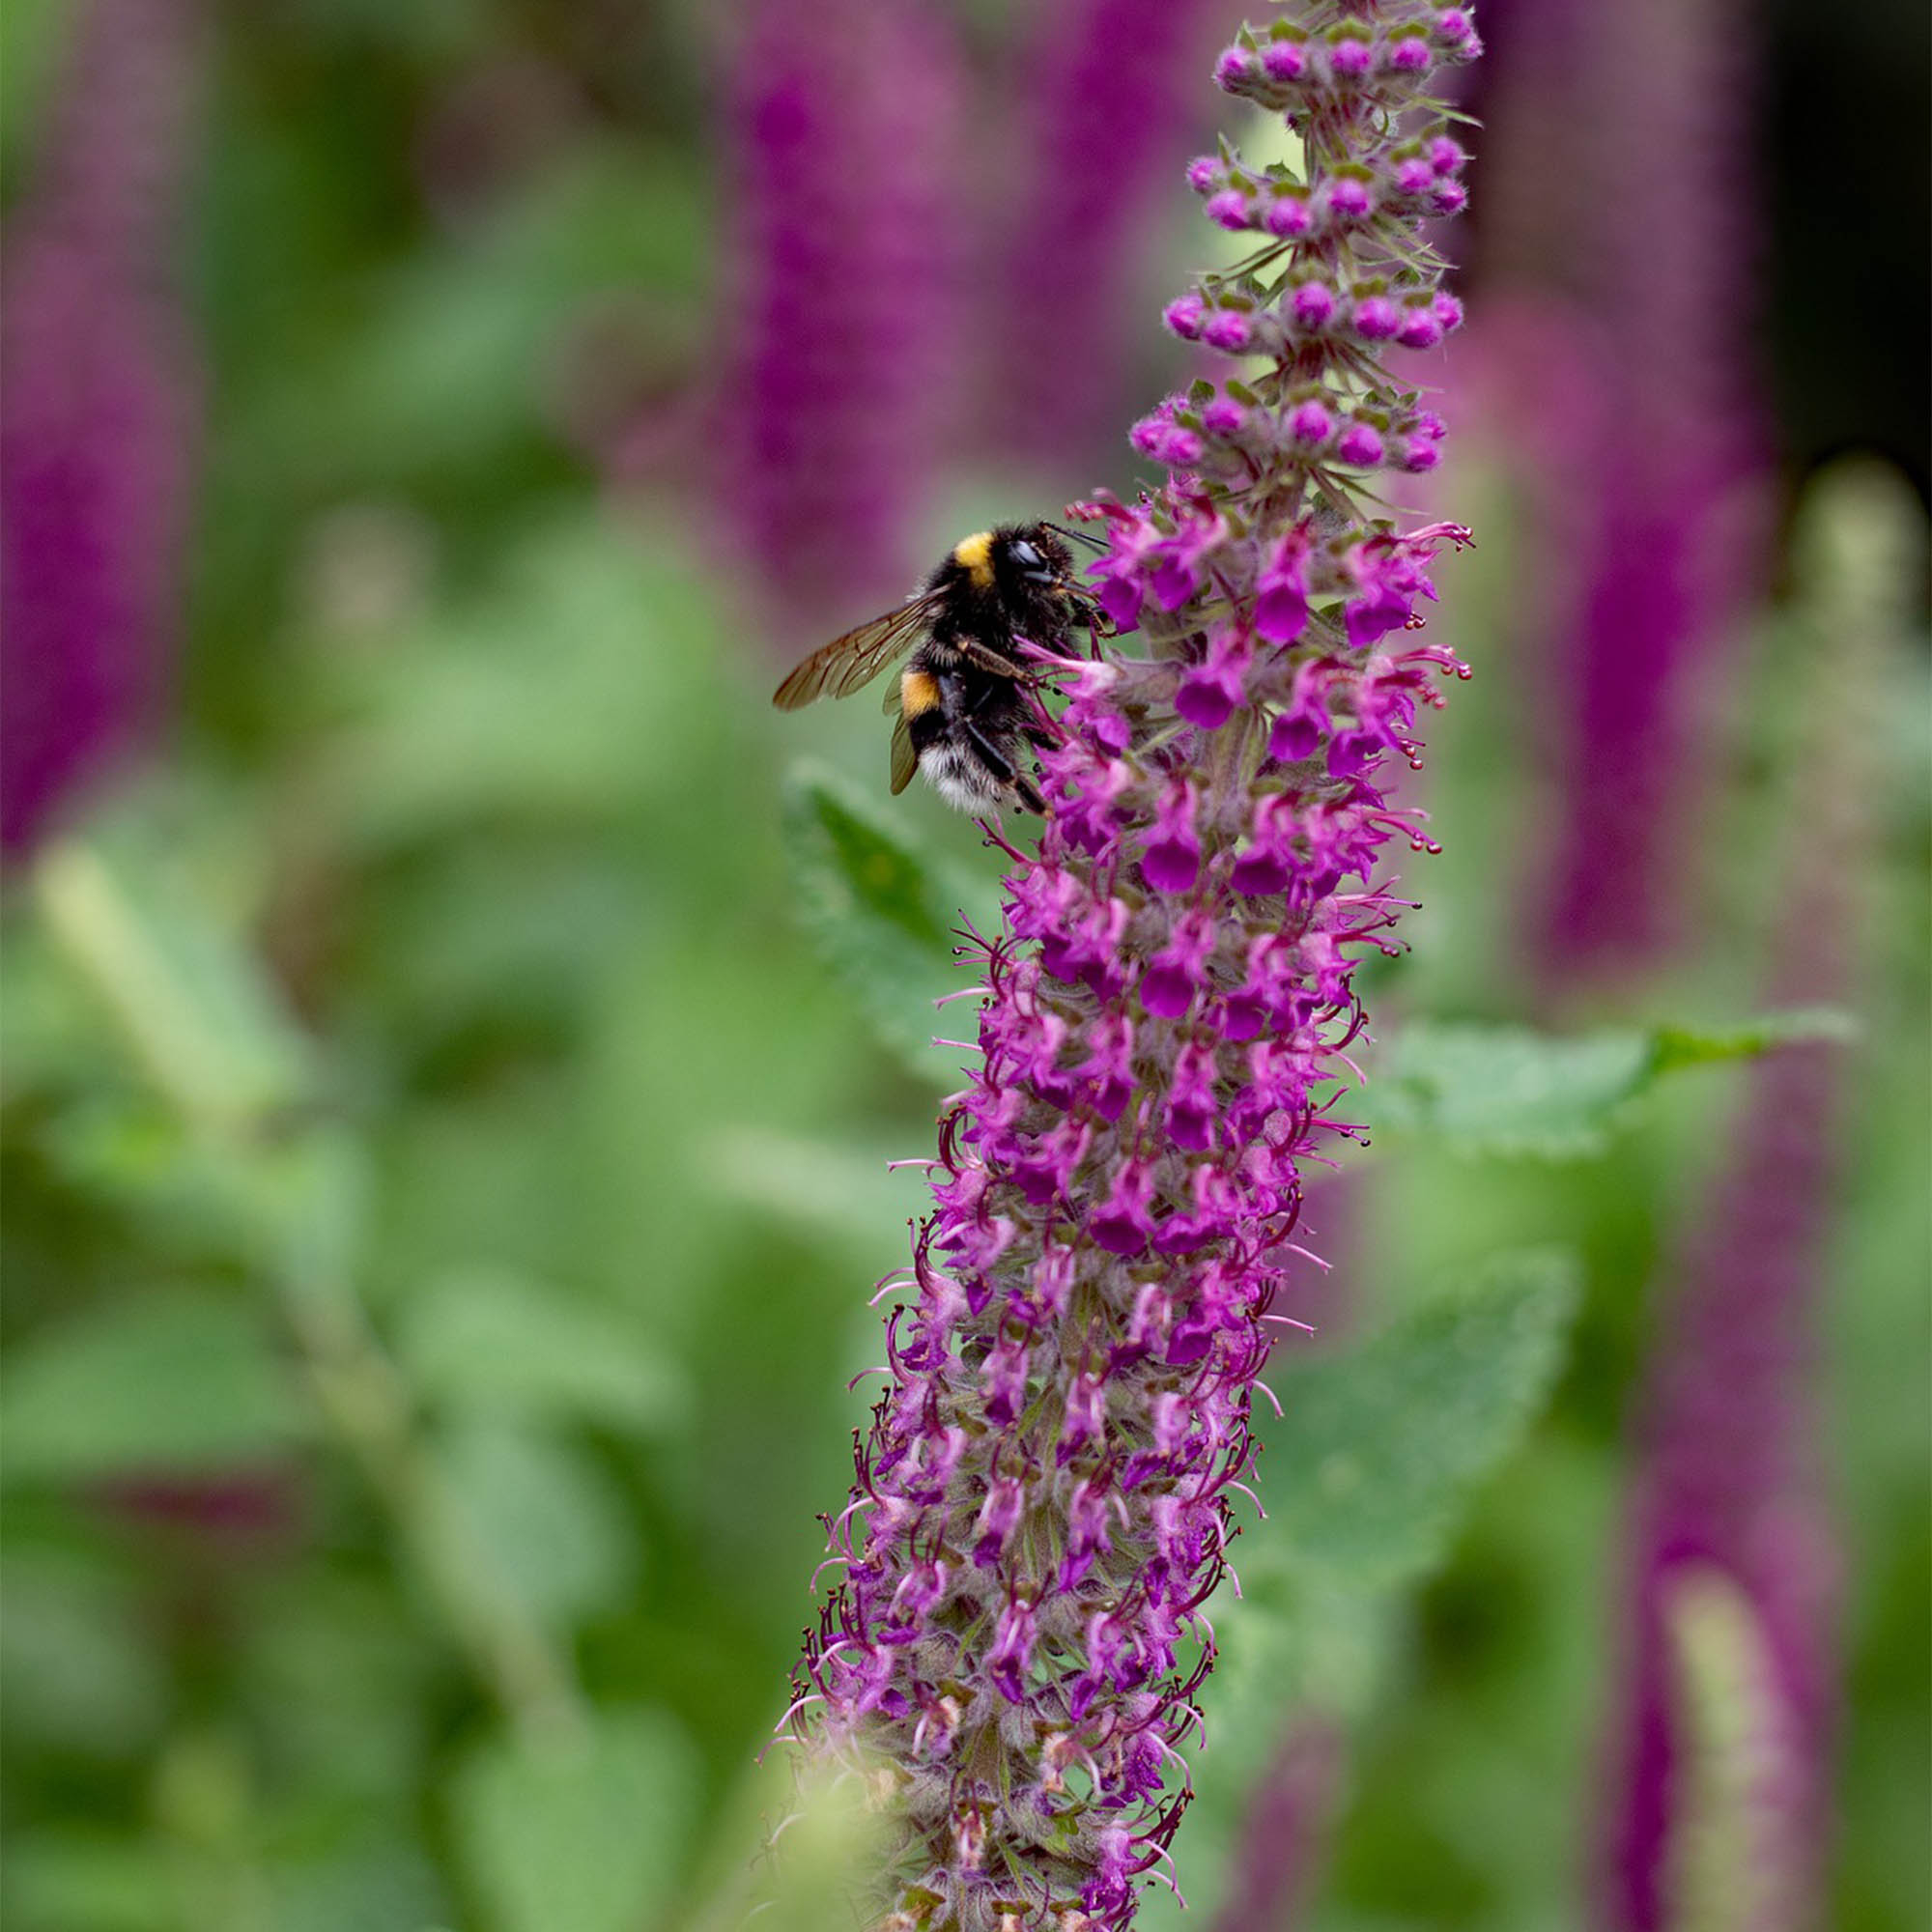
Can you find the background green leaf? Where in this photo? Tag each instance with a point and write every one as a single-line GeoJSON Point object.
{"type": "Point", "coordinates": [477, 1340]}
{"type": "Point", "coordinates": [544, 1514]}
{"type": "Point", "coordinates": [583, 1834]}
{"type": "Point", "coordinates": [156, 1384]}
{"type": "Point", "coordinates": [208, 1028]}
{"type": "Point", "coordinates": [883, 915]}
{"type": "Point", "coordinates": [1365, 1477]}
{"type": "Point", "coordinates": [1369, 1467]}
{"type": "Point", "coordinates": [1507, 1090]}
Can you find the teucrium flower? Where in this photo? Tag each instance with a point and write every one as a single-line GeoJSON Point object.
{"type": "Point", "coordinates": [1102, 89]}
{"type": "Point", "coordinates": [1042, 1505]}
{"type": "Point", "coordinates": [96, 450]}
{"type": "Point", "coordinates": [840, 318]}
{"type": "Point", "coordinates": [1727, 1705]}
{"type": "Point", "coordinates": [1619, 251]}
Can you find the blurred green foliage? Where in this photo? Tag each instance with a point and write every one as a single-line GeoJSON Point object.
{"type": "Point", "coordinates": [445, 1124]}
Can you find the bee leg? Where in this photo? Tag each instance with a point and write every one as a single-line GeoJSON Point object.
{"type": "Point", "coordinates": [976, 653]}
{"type": "Point", "coordinates": [991, 755]}
{"type": "Point", "coordinates": [1001, 696]}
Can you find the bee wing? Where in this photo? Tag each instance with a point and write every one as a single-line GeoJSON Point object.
{"type": "Point", "coordinates": [849, 663]}
{"type": "Point", "coordinates": [905, 760]}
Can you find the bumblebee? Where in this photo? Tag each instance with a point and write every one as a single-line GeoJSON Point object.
{"type": "Point", "coordinates": [963, 708]}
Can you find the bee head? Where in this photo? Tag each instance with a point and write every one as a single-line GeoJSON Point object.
{"type": "Point", "coordinates": [1036, 574]}
{"type": "Point", "coordinates": [1030, 562]}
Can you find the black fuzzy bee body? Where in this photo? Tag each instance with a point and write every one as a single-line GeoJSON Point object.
{"type": "Point", "coordinates": [963, 706]}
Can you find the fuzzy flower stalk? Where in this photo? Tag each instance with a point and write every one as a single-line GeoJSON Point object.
{"type": "Point", "coordinates": [1010, 1655]}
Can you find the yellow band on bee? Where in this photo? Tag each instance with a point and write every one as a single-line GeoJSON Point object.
{"type": "Point", "coordinates": [919, 691]}
{"type": "Point", "coordinates": [975, 553]}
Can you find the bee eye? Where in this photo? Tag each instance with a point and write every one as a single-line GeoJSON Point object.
{"type": "Point", "coordinates": [1033, 567]}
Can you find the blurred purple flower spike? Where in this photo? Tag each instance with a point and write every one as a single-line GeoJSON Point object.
{"type": "Point", "coordinates": [1284, 1836]}
{"type": "Point", "coordinates": [1044, 1503]}
{"type": "Point", "coordinates": [102, 408]}
{"type": "Point", "coordinates": [1729, 1489]}
{"type": "Point", "coordinates": [1734, 1554]}
{"type": "Point", "coordinates": [1103, 97]}
{"type": "Point", "coordinates": [844, 122]}
{"type": "Point", "coordinates": [1620, 181]}
{"type": "Point", "coordinates": [1727, 1493]}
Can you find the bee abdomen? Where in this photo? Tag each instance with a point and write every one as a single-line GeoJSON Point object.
{"type": "Point", "coordinates": [959, 775]}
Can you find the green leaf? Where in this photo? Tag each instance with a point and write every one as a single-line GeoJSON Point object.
{"type": "Point", "coordinates": [162, 1383]}
{"type": "Point", "coordinates": [843, 1191]}
{"type": "Point", "coordinates": [1506, 1091]}
{"type": "Point", "coordinates": [291, 1203]}
{"type": "Point", "coordinates": [464, 724]}
{"type": "Point", "coordinates": [190, 1000]}
{"type": "Point", "coordinates": [1379, 1445]}
{"type": "Point", "coordinates": [372, 1877]}
{"type": "Point", "coordinates": [881, 912]}
{"type": "Point", "coordinates": [584, 1834]}
{"type": "Point", "coordinates": [832, 1838]}
{"type": "Point", "coordinates": [549, 1518]}
{"type": "Point", "coordinates": [78, 1666]}
{"type": "Point", "coordinates": [1684, 1046]}
{"type": "Point", "coordinates": [351, 1678]}
{"type": "Point", "coordinates": [827, 1836]}
{"type": "Point", "coordinates": [1365, 1478]}
{"type": "Point", "coordinates": [477, 1341]}
{"type": "Point", "coordinates": [81, 1877]}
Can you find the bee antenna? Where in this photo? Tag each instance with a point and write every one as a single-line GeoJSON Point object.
{"type": "Point", "coordinates": [1077, 536]}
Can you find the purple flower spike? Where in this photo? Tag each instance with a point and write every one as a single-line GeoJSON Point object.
{"type": "Point", "coordinates": [1104, 93]}
{"type": "Point", "coordinates": [1043, 1502]}
{"type": "Point", "coordinates": [1312, 304]}
{"type": "Point", "coordinates": [1733, 1561]}
{"type": "Point", "coordinates": [1729, 1488]}
{"type": "Point", "coordinates": [1281, 601]}
{"type": "Point", "coordinates": [1377, 318]}
{"type": "Point", "coordinates": [1622, 235]}
{"type": "Point", "coordinates": [842, 301]}
{"type": "Point", "coordinates": [102, 406]}
{"type": "Point", "coordinates": [1286, 1829]}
